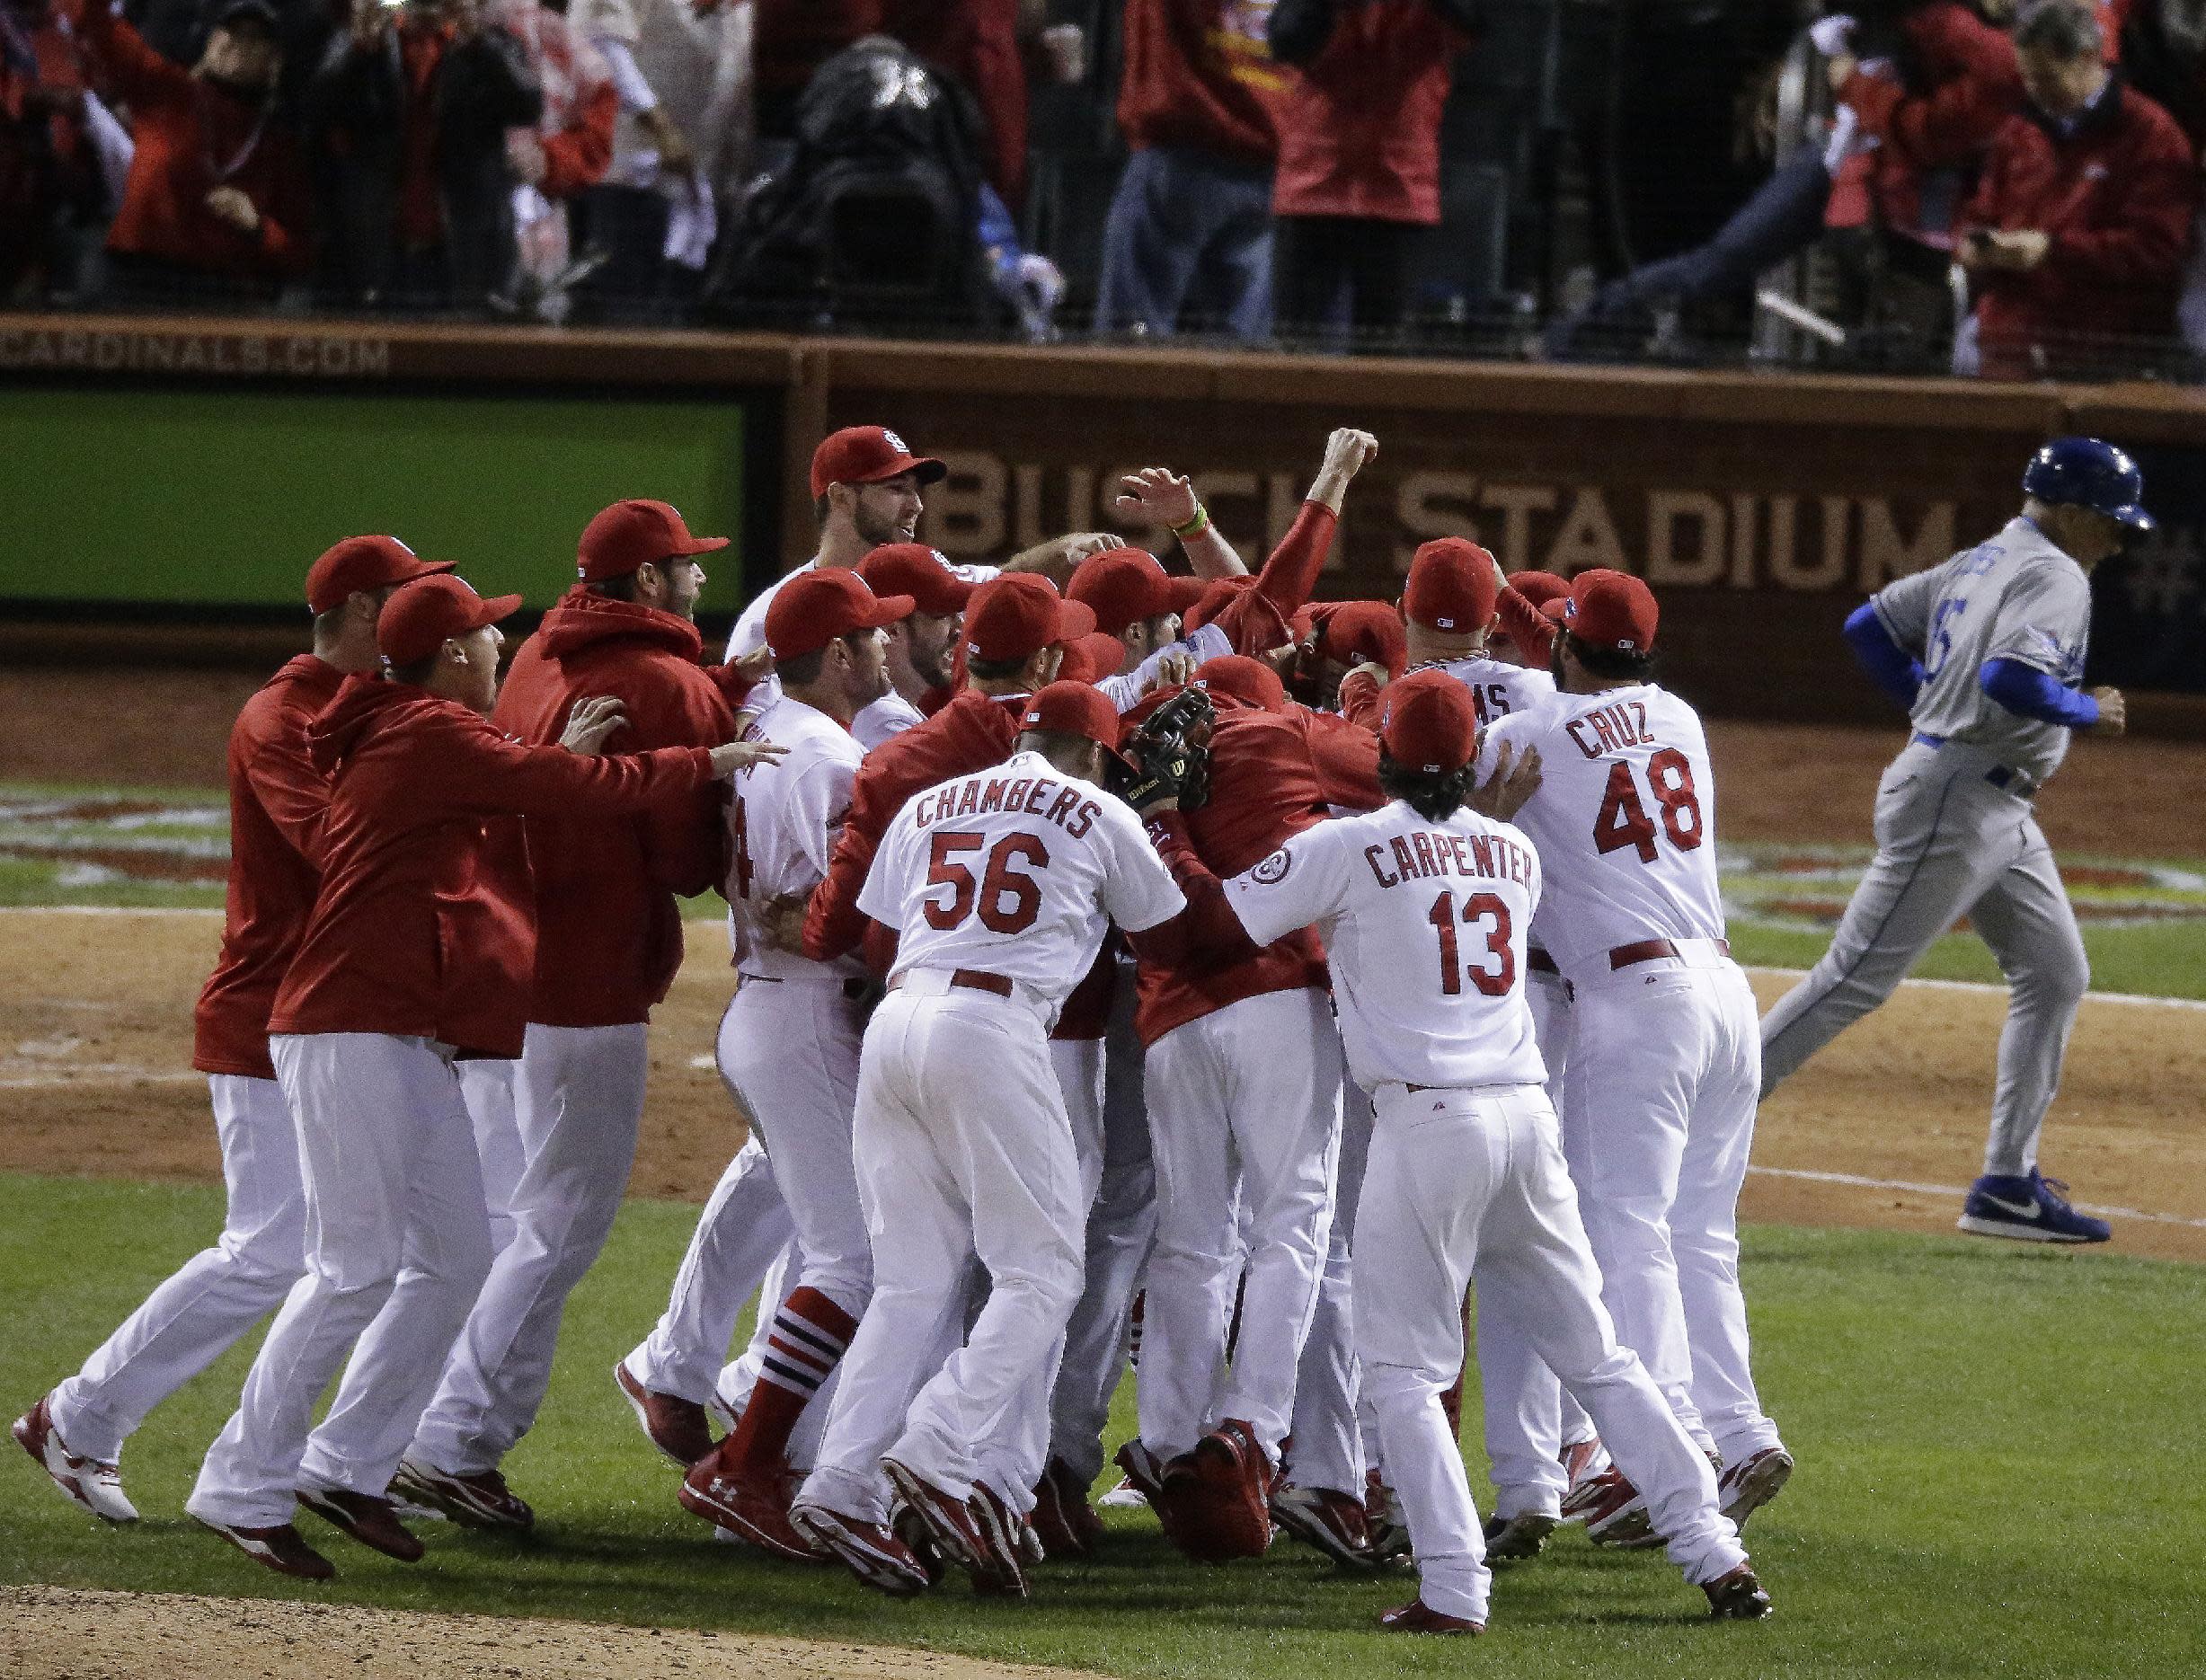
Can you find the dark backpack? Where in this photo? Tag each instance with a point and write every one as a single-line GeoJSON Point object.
{"type": "Point", "coordinates": [873, 220]}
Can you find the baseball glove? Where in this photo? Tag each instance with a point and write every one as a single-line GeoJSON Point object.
{"type": "Point", "coordinates": [1168, 754]}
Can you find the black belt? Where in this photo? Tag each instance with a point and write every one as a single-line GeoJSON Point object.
{"type": "Point", "coordinates": [2004, 777]}
{"type": "Point", "coordinates": [853, 988]}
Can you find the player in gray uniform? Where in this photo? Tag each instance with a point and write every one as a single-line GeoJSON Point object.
{"type": "Point", "coordinates": [1987, 654]}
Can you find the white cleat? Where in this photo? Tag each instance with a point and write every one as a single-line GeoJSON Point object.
{"type": "Point", "coordinates": [91, 1484]}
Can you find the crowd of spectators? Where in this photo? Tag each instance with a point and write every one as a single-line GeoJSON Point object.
{"type": "Point", "coordinates": [2014, 186]}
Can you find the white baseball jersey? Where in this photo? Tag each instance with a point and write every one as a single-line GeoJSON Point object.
{"type": "Point", "coordinates": [1424, 926]}
{"type": "Point", "coordinates": [750, 633]}
{"type": "Point", "coordinates": [1624, 821]}
{"type": "Point", "coordinates": [782, 823]}
{"type": "Point", "coordinates": [885, 719]}
{"type": "Point", "coordinates": [1125, 689]}
{"type": "Point", "coordinates": [1498, 688]}
{"type": "Point", "coordinates": [2016, 597]}
{"type": "Point", "coordinates": [1014, 870]}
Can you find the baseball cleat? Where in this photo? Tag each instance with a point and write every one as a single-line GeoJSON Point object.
{"type": "Point", "coordinates": [1329, 1520]}
{"type": "Point", "coordinates": [1144, 1474]}
{"type": "Point", "coordinates": [1004, 1553]}
{"type": "Point", "coordinates": [2030, 1210]}
{"type": "Point", "coordinates": [1419, 1617]}
{"type": "Point", "coordinates": [905, 1524]}
{"type": "Point", "coordinates": [869, 1550]}
{"type": "Point", "coordinates": [950, 1521]}
{"type": "Point", "coordinates": [1582, 1461]}
{"type": "Point", "coordinates": [367, 1520]}
{"type": "Point", "coordinates": [676, 1426]}
{"type": "Point", "coordinates": [1127, 1496]}
{"type": "Point", "coordinates": [91, 1484]}
{"type": "Point", "coordinates": [1064, 1521]}
{"type": "Point", "coordinates": [1513, 1539]}
{"type": "Point", "coordinates": [1744, 1488]}
{"type": "Point", "coordinates": [1616, 1514]}
{"type": "Point", "coordinates": [1737, 1597]}
{"type": "Point", "coordinates": [755, 1508]}
{"type": "Point", "coordinates": [1215, 1504]}
{"type": "Point", "coordinates": [1382, 1515]}
{"type": "Point", "coordinates": [478, 1500]}
{"type": "Point", "coordinates": [280, 1549]}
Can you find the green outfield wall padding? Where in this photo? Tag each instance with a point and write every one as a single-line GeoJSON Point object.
{"type": "Point", "coordinates": [223, 499]}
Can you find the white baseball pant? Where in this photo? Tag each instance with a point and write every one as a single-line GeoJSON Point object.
{"type": "Point", "coordinates": [740, 1237]}
{"type": "Point", "coordinates": [486, 1084]}
{"type": "Point", "coordinates": [1249, 1093]}
{"type": "Point", "coordinates": [398, 1248]}
{"type": "Point", "coordinates": [1122, 1224]}
{"type": "Point", "coordinates": [1458, 1178]}
{"type": "Point", "coordinates": [963, 1147]}
{"type": "Point", "coordinates": [217, 1294]}
{"type": "Point", "coordinates": [1528, 1413]}
{"type": "Point", "coordinates": [1665, 1067]}
{"type": "Point", "coordinates": [578, 1101]}
{"type": "Point", "coordinates": [1327, 1449]}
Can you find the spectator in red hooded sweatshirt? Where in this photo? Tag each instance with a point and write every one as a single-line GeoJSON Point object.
{"type": "Point", "coordinates": [2080, 225]}
{"type": "Point", "coordinates": [1359, 155]}
{"type": "Point", "coordinates": [215, 203]}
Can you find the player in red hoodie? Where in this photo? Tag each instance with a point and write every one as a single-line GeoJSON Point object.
{"type": "Point", "coordinates": [608, 942]}
{"type": "Point", "coordinates": [418, 953]}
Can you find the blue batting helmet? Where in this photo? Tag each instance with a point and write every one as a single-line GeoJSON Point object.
{"type": "Point", "coordinates": [2090, 472]}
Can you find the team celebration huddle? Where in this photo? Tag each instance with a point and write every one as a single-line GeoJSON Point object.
{"type": "Point", "coordinates": [1135, 965]}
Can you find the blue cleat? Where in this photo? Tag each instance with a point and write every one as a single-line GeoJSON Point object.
{"type": "Point", "coordinates": [2032, 1210]}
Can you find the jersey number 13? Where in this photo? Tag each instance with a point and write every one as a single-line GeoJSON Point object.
{"type": "Point", "coordinates": [1491, 979]}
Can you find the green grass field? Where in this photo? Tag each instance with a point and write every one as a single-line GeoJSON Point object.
{"type": "Point", "coordinates": [1991, 1442]}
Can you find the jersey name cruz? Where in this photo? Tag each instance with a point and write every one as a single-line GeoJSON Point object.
{"type": "Point", "coordinates": [1424, 853]}
{"type": "Point", "coordinates": [1036, 796]}
{"type": "Point", "coordinates": [1611, 728]}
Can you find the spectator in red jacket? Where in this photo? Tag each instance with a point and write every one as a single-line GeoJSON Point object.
{"type": "Point", "coordinates": [215, 202]}
{"type": "Point", "coordinates": [2078, 228]}
{"type": "Point", "coordinates": [1359, 155]}
{"type": "Point", "coordinates": [1188, 241]}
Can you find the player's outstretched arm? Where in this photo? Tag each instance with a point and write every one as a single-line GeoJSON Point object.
{"type": "Point", "coordinates": [2030, 693]}
{"type": "Point", "coordinates": [1156, 495]}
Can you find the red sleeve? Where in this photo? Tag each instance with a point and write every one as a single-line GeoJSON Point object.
{"type": "Point", "coordinates": [1205, 936]}
{"type": "Point", "coordinates": [578, 155]}
{"type": "Point", "coordinates": [1525, 625]}
{"type": "Point", "coordinates": [1258, 618]}
{"type": "Point", "coordinates": [734, 687]}
{"type": "Point", "coordinates": [1345, 755]}
{"type": "Point", "coordinates": [1359, 700]}
{"type": "Point", "coordinates": [2145, 245]}
{"type": "Point", "coordinates": [480, 770]}
{"type": "Point", "coordinates": [833, 923]}
{"type": "Point", "coordinates": [290, 790]}
{"type": "Point", "coordinates": [1976, 80]}
{"type": "Point", "coordinates": [685, 841]}
{"type": "Point", "coordinates": [881, 943]}
{"type": "Point", "coordinates": [134, 70]}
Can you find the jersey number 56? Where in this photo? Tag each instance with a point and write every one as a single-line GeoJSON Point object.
{"type": "Point", "coordinates": [1007, 899]}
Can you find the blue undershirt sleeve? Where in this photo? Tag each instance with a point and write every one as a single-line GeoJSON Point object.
{"type": "Point", "coordinates": [2030, 693]}
{"type": "Point", "coordinates": [1886, 661]}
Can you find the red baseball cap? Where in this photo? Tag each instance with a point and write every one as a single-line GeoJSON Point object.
{"type": "Point", "coordinates": [1016, 616]}
{"type": "Point", "coordinates": [1251, 681]}
{"type": "Point", "coordinates": [1355, 631]}
{"type": "Point", "coordinates": [1611, 609]}
{"type": "Point", "coordinates": [814, 608]}
{"type": "Point", "coordinates": [921, 572]}
{"type": "Point", "coordinates": [1092, 659]}
{"type": "Point", "coordinates": [1540, 587]}
{"type": "Point", "coordinates": [363, 562]}
{"type": "Point", "coordinates": [865, 454]}
{"type": "Point", "coordinates": [630, 534]}
{"type": "Point", "coordinates": [1122, 587]}
{"type": "Point", "coordinates": [1452, 586]}
{"type": "Point", "coordinates": [1186, 591]}
{"type": "Point", "coordinates": [1073, 709]}
{"type": "Point", "coordinates": [429, 612]}
{"type": "Point", "coordinates": [1430, 723]}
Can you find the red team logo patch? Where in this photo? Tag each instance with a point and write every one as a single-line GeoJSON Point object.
{"type": "Point", "coordinates": [1272, 871]}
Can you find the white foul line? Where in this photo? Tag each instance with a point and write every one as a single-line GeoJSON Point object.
{"type": "Point", "coordinates": [1857, 1182]}
{"type": "Point", "coordinates": [2129, 1000]}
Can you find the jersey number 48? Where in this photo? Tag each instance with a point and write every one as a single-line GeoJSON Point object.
{"type": "Point", "coordinates": [1622, 823]}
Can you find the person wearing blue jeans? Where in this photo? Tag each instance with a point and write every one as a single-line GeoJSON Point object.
{"type": "Point", "coordinates": [1188, 241]}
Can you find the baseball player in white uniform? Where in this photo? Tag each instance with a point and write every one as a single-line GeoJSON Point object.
{"type": "Point", "coordinates": [1423, 905]}
{"type": "Point", "coordinates": [789, 1042]}
{"type": "Point", "coordinates": [1665, 1057]}
{"type": "Point", "coordinates": [1000, 884]}
{"type": "Point", "coordinates": [1986, 652]}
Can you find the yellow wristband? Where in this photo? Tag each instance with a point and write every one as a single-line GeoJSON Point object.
{"type": "Point", "coordinates": [1194, 526]}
